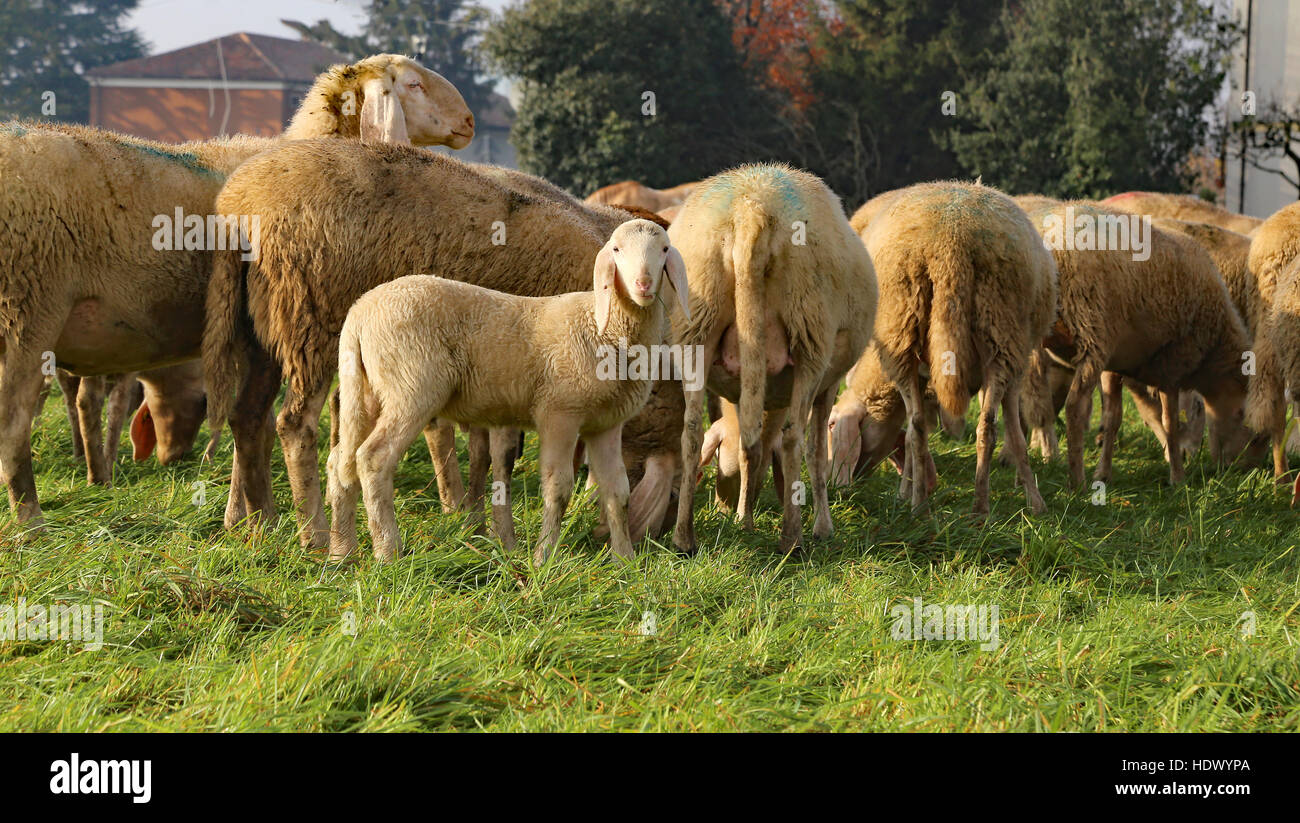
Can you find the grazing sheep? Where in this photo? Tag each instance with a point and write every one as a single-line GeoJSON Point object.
{"type": "Point", "coordinates": [319, 200]}
{"type": "Point", "coordinates": [1149, 305]}
{"type": "Point", "coordinates": [422, 347]}
{"type": "Point", "coordinates": [1273, 248]}
{"type": "Point", "coordinates": [967, 291]}
{"type": "Point", "coordinates": [632, 193]}
{"type": "Point", "coordinates": [1181, 207]}
{"type": "Point", "coordinates": [1283, 335]}
{"type": "Point", "coordinates": [783, 294]}
{"type": "Point", "coordinates": [87, 267]}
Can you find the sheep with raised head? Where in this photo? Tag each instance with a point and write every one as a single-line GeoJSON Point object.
{"type": "Point", "coordinates": [421, 347]}
{"type": "Point", "coordinates": [967, 291]}
{"type": "Point", "coordinates": [783, 296]}
{"type": "Point", "coordinates": [92, 275]}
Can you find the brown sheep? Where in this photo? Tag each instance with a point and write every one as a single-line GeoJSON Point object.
{"type": "Point", "coordinates": [1273, 248]}
{"type": "Point", "coordinates": [1181, 207]}
{"type": "Point", "coordinates": [632, 193]}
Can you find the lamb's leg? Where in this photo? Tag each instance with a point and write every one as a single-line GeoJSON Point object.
{"type": "Point", "coordinates": [90, 409]}
{"type": "Point", "coordinates": [118, 408]}
{"type": "Point", "coordinates": [70, 384]}
{"type": "Point", "coordinates": [692, 435]}
{"type": "Point", "coordinates": [1112, 412]}
{"type": "Point", "coordinates": [558, 440]}
{"type": "Point", "coordinates": [440, 436]}
{"type": "Point", "coordinates": [252, 427]}
{"type": "Point", "coordinates": [1019, 452]}
{"type": "Point", "coordinates": [480, 459]}
{"type": "Point", "coordinates": [20, 385]}
{"type": "Point", "coordinates": [1173, 426]}
{"type": "Point", "coordinates": [377, 460]}
{"type": "Point", "coordinates": [986, 436]}
{"type": "Point", "coordinates": [297, 425]}
{"type": "Point", "coordinates": [344, 479]}
{"type": "Point", "coordinates": [1078, 404]}
{"type": "Point", "coordinates": [502, 444]}
{"type": "Point", "coordinates": [818, 465]}
{"type": "Point", "coordinates": [605, 459]}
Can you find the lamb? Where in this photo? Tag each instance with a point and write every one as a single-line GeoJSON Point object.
{"type": "Point", "coordinates": [422, 347]}
{"type": "Point", "coordinates": [1181, 207]}
{"type": "Point", "coordinates": [281, 314]}
{"type": "Point", "coordinates": [1117, 314]}
{"type": "Point", "coordinates": [632, 193]}
{"type": "Point", "coordinates": [967, 291]}
{"type": "Point", "coordinates": [784, 293]}
{"type": "Point", "coordinates": [82, 272]}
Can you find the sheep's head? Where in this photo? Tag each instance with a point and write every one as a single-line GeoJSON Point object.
{"type": "Point", "coordinates": [632, 264]}
{"type": "Point", "coordinates": [174, 406]}
{"type": "Point", "coordinates": [403, 102]}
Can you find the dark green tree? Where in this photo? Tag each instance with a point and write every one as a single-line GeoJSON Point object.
{"type": "Point", "coordinates": [441, 34]}
{"type": "Point", "coordinates": [1087, 99]}
{"type": "Point", "coordinates": [47, 46]}
{"type": "Point", "coordinates": [880, 73]}
{"type": "Point", "coordinates": [619, 89]}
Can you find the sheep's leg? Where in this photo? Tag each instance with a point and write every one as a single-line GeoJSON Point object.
{"type": "Point", "coordinates": [298, 425]}
{"type": "Point", "coordinates": [377, 459]}
{"type": "Point", "coordinates": [1173, 426]}
{"type": "Point", "coordinates": [754, 464]}
{"type": "Point", "coordinates": [1078, 405]}
{"type": "Point", "coordinates": [914, 486]}
{"type": "Point", "coordinates": [692, 435]}
{"type": "Point", "coordinates": [480, 459]}
{"type": "Point", "coordinates": [70, 384]}
{"type": "Point", "coordinates": [1194, 430]}
{"type": "Point", "coordinates": [252, 427]}
{"type": "Point", "coordinates": [558, 440]}
{"type": "Point", "coordinates": [986, 437]}
{"type": "Point", "coordinates": [791, 462]}
{"type": "Point", "coordinates": [1112, 412]}
{"type": "Point", "coordinates": [20, 385]}
{"type": "Point", "coordinates": [1019, 452]}
{"type": "Point", "coordinates": [605, 459]}
{"type": "Point", "coordinates": [90, 409]}
{"type": "Point", "coordinates": [1147, 401]}
{"type": "Point", "coordinates": [440, 436]}
{"type": "Point", "coordinates": [344, 480]}
{"type": "Point", "coordinates": [819, 464]}
{"type": "Point", "coordinates": [118, 408]}
{"type": "Point", "coordinates": [41, 399]}
{"type": "Point", "coordinates": [502, 445]}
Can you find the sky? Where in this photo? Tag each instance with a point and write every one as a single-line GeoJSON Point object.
{"type": "Point", "coordinates": [171, 24]}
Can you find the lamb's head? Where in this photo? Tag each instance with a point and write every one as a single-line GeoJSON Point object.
{"type": "Point", "coordinates": [403, 102]}
{"type": "Point", "coordinates": [632, 265]}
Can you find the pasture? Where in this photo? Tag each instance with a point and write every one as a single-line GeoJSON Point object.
{"type": "Point", "coordinates": [1164, 609]}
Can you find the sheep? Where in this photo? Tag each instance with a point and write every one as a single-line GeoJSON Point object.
{"type": "Point", "coordinates": [632, 193]}
{"type": "Point", "coordinates": [422, 346]}
{"type": "Point", "coordinates": [784, 293]}
{"type": "Point", "coordinates": [1181, 207]}
{"type": "Point", "coordinates": [1273, 248]}
{"type": "Point", "coordinates": [1283, 336]}
{"type": "Point", "coordinates": [966, 292]}
{"type": "Point", "coordinates": [1164, 320]}
{"type": "Point", "coordinates": [280, 315]}
{"type": "Point", "coordinates": [88, 270]}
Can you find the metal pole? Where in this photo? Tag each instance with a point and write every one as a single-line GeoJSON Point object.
{"type": "Point", "coordinates": [1245, 86]}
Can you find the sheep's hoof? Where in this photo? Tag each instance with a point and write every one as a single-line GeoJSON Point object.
{"type": "Point", "coordinates": [684, 541]}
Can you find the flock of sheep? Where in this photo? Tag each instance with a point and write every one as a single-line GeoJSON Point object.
{"type": "Point", "coordinates": [443, 293]}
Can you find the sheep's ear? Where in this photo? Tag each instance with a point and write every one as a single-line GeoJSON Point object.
{"type": "Point", "coordinates": [144, 438]}
{"type": "Point", "coordinates": [382, 119]}
{"type": "Point", "coordinates": [606, 273]}
{"type": "Point", "coordinates": [676, 268]}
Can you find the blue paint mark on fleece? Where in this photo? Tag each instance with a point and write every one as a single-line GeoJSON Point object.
{"type": "Point", "coordinates": [12, 128]}
{"type": "Point", "coordinates": [722, 190]}
{"type": "Point", "coordinates": [187, 159]}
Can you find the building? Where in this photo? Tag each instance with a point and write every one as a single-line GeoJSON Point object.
{"type": "Point", "coordinates": [1267, 63]}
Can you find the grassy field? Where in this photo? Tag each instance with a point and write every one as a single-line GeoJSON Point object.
{"type": "Point", "coordinates": [1123, 616]}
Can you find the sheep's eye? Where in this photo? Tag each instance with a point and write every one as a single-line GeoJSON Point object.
{"type": "Point", "coordinates": [415, 84]}
{"type": "Point", "coordinates": [665, 249]}
{"type": "Point", "coordinates": [616, 249]}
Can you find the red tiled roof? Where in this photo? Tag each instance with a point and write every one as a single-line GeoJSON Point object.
{"type": "Point", "coordinates": [246, 56]}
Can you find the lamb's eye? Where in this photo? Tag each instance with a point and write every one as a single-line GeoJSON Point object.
{"type": "Point", "coordinates": [665, 249]}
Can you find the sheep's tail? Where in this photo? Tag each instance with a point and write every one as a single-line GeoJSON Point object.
{"type": "Point", "coordinates": [951, 349]}
{"type": "Point", "coordinates": [352, 421]}
{"type": "Point", "coordinates": [225, 337]}
{"type": "Point", "coordinates": [750, 253]}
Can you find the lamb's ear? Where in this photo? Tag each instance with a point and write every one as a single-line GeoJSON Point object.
{"type": "Point", "coordinates": [676, 268]}
{"type": "Point", "coordinates": [382, 119]}
{"type": "Point", "coordinates": [144, 438]}
{"type": "Point", "coordinates": [603, 280]}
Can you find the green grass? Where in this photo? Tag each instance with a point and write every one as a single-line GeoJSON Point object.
{"type": "Point", "coordinates": [1116, 617]}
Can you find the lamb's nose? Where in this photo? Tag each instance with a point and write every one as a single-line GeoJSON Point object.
{"type": "Point", "coordinates": [469, 122]}
{"type": "Point", "coordinates": [643, 283]}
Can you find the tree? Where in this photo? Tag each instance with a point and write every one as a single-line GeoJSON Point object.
{"type": "Point", "coordinates": [617, 89]}
{"type": "Point", "coordinates": [1089, 98]}
{"type": "Point", "coordinates": [1273, 134]}
{"type": "Point", "coordinates": [885, 83]}
{"type": "Point", "coordinates": [441, 34]}
{"type": "Point", "coordinates": [49, 46]}
{"type": "Point", "coordinates": [776, 40]}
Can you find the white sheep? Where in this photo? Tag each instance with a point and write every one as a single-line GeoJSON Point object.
{"type": "Point", "coordinates": [420, 347]}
